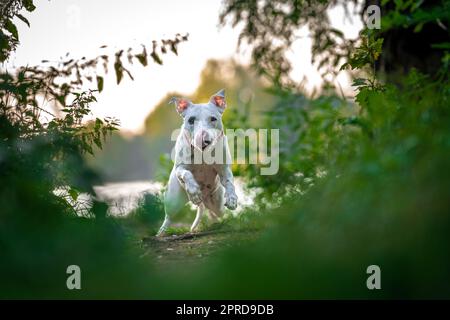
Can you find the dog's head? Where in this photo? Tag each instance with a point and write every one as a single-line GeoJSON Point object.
{"type": "Point", "coordinates": [202, 123]}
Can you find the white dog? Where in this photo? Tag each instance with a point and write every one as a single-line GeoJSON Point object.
{"type": "Point", "coordinates": [201, 172]}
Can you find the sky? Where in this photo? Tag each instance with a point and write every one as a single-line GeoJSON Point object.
{"type": "Point", "coordinates": [80, 27]}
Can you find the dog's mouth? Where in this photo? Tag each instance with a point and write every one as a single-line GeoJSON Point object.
{"type": "Point", "coordinates": [202, 146]}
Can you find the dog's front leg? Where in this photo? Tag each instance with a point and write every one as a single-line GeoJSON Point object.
{"type": "Point", "coordinates": [226, 179]}
{"type": "Point", "coordinates": [191, 186]}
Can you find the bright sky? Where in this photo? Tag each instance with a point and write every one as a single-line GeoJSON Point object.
{"type": "Point", "coordinates": [81, 26]}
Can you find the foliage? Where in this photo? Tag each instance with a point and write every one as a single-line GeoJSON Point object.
{"type": "Point", "coordinates": [317, 133]}
{"type": "Point", "coordinates": [9, 36]}
{"type": "Point", "coordinates": [415, 14]}
{"type": "Point", "coordinates": [58, 80]}
{"type": "Point", "coordinates": [46, 129]}
{"type": "Point", "coordinates": [149, 214]}
{"type": "Point", "coordinates": [271, 28]}
{"type": "Point", "coordinates": [49, 104]}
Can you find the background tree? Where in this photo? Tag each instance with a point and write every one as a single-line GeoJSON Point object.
{"type": "Point", "coordinates": [414, 32]}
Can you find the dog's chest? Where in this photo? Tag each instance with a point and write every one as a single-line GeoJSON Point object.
{"type": "Point", "coordinates": [206, 176]}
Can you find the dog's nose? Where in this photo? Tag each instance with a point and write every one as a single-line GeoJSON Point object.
{"type": "Point", "coordinates": [206, 143]}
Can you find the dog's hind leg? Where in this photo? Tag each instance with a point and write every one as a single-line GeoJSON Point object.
{"type": "Point", "coordinates": [164, 226]}
{"type": "Point", "coordinates": [215, 204]}
{"type": "Point", "coordinates": [200, 210]}
{"type": "Point", "coordinates": [212, 216]}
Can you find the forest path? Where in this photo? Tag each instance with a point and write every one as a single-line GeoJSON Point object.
{"type": "Point", "coordinates": [192, 248]}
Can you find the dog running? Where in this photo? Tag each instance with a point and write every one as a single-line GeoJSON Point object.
{"type": "Point", "coordinates": [202, 167]}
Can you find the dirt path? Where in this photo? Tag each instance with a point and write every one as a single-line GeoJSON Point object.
{"type": "Point", "coordinates": [191, 248]}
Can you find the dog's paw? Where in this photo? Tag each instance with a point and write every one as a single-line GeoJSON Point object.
{"type": "Point", "coordinates": [161, 234]}
{"type": "Point", "coordinates": [231, 201]}
{"type": "Point", "coordinates": [194, 194]}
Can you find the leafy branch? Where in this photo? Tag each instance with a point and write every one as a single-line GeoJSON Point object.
{"type": "Point", "coordinates": [9, 36]}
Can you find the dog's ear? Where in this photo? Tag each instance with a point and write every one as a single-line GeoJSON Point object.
{"type": "Point", "coordinates": [181, 104]}
{"type": "Point", "coordinates": [218, 100]}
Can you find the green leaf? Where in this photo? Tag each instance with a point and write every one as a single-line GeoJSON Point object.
{"type": "Point", "coordinates": [418, 27]}
{"type": "Point", "coordinates": [99, 83]}
{"type": "Point", "coordinates": [142, 57]}
{"type": "Point", "coordinates": [119, 71]}
{"type": "Point", "coordinates": [156, 58]}
{"type": "Point", "coordinates": [443, 45]}
{"type": "Point", "coordinates": [98, 123]}
{"type": "Point", "coordinates": [28, 4]}
{"type": "Point", "coordinates": [73, 194]}
{"type": "Point", "coordinates": [98, 142]}
{"type": "Point", "coordinates": [88, 148]}
{"type": "Point", "coordinates": [344, 66]}
{"type": "Point", "coordinates": [21, 17]}
{"type": "Point", "coordinates": [359, 82]}
{"type": "Point", "coordinates": [11, 27]}
{"type": "Point", "coordinates": [337, 32]}
{"type": "Point", "coordinates": [118, 67]}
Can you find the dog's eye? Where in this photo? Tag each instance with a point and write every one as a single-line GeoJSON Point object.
{"type": "Point", "coordinates": [191, 120]}
{"type": "Point", "coordinates": [213, 119]}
